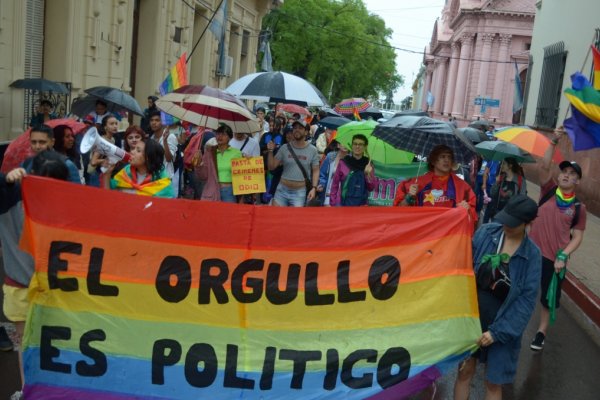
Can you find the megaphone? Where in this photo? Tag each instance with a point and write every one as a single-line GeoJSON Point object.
{"type": "Point", "coordinates": [92, 140]}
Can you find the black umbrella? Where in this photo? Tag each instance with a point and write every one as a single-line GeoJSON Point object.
{"type": "Point", "coordinates": [480, 124]}
{"type": "Point", "coordinates": [371, 112]}
{"type": "Point", "coordinates": [420, 135]}
{"type": "Point", "coordinates": [277, 87]}
{"type": "Point", "coordinates": [334, 122]}
{"type": "Point", "coordinates": [40, 84]}
{"type": "Point", "coordinates": [471, 135]}
{"type": "Point", "coordinates": [115, 99]}
{"type": "Point", "coordinates": [331, 112]}
{"type": "Point", "coordinates": [411, 112]}
{"type": "Point", "coordinates": [85, 105]}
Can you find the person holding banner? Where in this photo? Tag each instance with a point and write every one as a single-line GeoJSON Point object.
{"type": "Point", "coordinates": [144, 175]}
{"type": "Point", "coordinates": [508, 268]}
{"type": "Point", "coordinates": [439, 187]}
{"type": "Point", "coordinates": [354, 177]}
{"type": "Point", "coordinates": [18, 265]}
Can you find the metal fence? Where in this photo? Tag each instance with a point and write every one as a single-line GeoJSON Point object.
{"type": "Point", "coordinates": [553, 71]}
{"type": "Point", "coordinates": [32, 99]}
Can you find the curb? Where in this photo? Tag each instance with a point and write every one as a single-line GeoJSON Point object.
{"type": "Point", "coordinates": [583, 297]}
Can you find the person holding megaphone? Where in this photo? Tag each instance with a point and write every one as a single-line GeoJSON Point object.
{"type": "Point", "coordinates": [144, 175]}
{"type": "Point", "coordinates": [110, 126]}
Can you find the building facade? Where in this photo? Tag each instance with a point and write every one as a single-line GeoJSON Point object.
{"type": "Point", "coordinates": [470, 61]}
{"type": "Point", "coordinates": [562, 39]}
{"type": "Point", "coordinates": [127, 44]}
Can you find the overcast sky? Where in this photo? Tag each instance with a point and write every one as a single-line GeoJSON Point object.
{"type": "Point", "coordinates": [412, 22]}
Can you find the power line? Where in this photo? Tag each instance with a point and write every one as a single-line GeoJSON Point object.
{"type": "Point", "coordinates": [283, 13]}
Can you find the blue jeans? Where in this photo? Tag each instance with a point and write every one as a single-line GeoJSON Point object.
{"type": "Point", "coordinates": [227, 194]}
{"type": "Point", "coordinates": [288, 197]}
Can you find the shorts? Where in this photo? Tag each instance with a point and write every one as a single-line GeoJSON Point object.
{"type": "Point", "coordinates": [547, 273]}
{"type": "Point", "coordinates": [16, 304]}
{"type": "Point", "coordinates": [288, 197]}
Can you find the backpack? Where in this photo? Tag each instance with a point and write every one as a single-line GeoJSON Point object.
{"type": "Point", "coordinates": [354, 189]}
{"type": "Point", "coordinates": [550, 193]}
{"type": "Point", "coordinates": [500, 196]}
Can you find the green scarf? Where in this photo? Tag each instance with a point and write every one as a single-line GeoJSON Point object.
{"type": "Point", "coordinates": [552, 289]}
{"type": "Point", "coordinates": [495, 259]}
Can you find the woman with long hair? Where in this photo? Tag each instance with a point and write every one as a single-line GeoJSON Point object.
{"type": "Point", "coordinates": [108, 130]}
{"type": "Point", "coordinates": [64, 143]}
{"type": "Point", "coordinates": [145, 174]}
{"type": "Point", "coordinates": [509, 183]}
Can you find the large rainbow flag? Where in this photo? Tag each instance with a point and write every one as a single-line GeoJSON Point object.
{"type": "Point", "coordinates": [189, 300]}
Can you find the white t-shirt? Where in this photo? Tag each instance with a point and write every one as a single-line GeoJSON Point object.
{"type": "Point", "coordinates": [251, 149]}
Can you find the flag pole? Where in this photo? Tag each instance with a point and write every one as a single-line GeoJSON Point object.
{"type": "Point", "coordinates": [204, 31]}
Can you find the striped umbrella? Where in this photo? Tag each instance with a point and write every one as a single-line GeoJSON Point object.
{"type": "Point", "coordinates": [528, 140]}
{"type": "Point", "coordinates": [207, 107]}
{"type": "Point", "coordinates": [348, 106]}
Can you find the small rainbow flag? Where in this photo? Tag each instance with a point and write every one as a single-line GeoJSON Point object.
{"type": "Point", "coordinates": [177, 77]}
{"type": "Point", "coordinates": [356, 114]}
{"type": "Point", "coordinates": [596, 81]}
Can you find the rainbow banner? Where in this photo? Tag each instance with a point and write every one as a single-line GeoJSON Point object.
{"type": "Point", "coordinates": [583, 97]}
{"type": "Point", "coordinates": [186, 300]}
{"type": "Point", "coordinates": [177, 78]}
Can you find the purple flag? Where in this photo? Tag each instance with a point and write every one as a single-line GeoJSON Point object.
{"type": "Point", "coordinates": [583, 132]}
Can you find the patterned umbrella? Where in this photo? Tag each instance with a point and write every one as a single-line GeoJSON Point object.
{"type": "Point", "coordinates": [420, 135]}
{"type": "Point", "coordinates": [347, 106]}
{"type": "Point", "coordinates": [528, 140]}
{"type": "Point", "coordinates": [207, 107]}
{"type": "Point", "coordinates": [377, 149]}
{"type": "Point", "coordinates": [20, 149]}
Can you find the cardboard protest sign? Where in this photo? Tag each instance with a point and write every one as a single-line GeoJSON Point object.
{"type": "Point", "coordinates": [248, 175]}
{"type": "Point", "coordinates": [188, 300]}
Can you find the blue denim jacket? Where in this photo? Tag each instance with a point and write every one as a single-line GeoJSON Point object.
{"type": "Point", "coordinates": [525, 269]}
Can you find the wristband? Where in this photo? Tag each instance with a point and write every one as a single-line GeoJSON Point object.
{"type": "Point", "coordinates": [562, 256]}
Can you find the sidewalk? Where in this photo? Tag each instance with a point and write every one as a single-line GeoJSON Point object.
{"type": "Point", "coordinates": [583, 275]}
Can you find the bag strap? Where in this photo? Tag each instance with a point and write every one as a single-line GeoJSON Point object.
{"type": "Point", "coordinates": [291, 150]}
{"type": "Point", "coordinates": [245, 143]}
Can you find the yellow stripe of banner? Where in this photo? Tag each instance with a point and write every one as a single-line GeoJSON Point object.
{"type": "Point", "coordinates": [416, 302]}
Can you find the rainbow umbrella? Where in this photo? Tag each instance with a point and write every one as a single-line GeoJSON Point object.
{"type": "Point", "coordinates": [527, 139]}
{"type": "Point", "coordinates": [348, 106]}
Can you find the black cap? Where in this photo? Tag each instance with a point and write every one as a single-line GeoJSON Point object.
{"type": "Point", "coordinates": [520, 209]}
{"type": "Point", "coordinates": [571, 164]}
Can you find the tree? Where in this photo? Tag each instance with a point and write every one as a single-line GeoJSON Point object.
{"type": "Point", "coordinates": [334, 44]}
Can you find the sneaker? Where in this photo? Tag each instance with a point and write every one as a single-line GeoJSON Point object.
{"type": "Point", "coordinates": [5, 342]}
{"type": "Point", "coordinates": [17, 395]}
{"type": "Point", "coordinates": [538, 342]}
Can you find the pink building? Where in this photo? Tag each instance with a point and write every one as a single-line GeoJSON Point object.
{"type": "Point", "coordinates": [472, 55]}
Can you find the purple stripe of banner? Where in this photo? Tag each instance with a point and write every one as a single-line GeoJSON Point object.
{"type": "Point", "coordinates": [46, 392]}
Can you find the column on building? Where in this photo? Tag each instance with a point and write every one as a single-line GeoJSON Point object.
{"type": "Point", "coordinates": [428, 76]}
{"type": "Point", "coordinates": [451, 80]}
{"type": "Point", "coordinates": [440, 72]}
{"type": "Point", "coordinates": [500, 80]}
{"type": "Point", "coordinates": [484, 69]}
{"type": "Point", "coordinates": [462, 74]}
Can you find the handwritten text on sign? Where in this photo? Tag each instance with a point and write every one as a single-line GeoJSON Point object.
{"type": "Point", "coordinates": [248, 175]}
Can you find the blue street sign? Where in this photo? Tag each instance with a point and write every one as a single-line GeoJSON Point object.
{"type": "Point", "coordinates": [482, 101]}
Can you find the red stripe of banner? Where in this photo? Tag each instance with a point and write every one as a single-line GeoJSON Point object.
{"type": "Point", "coordinates": [109, 212]}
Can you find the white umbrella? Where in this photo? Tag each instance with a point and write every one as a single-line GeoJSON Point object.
{"type": "Point", "coordinates": [207, 107]}
{"type": "Point", "coordinates": [277, 87]}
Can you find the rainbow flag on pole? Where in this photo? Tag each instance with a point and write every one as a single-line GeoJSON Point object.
{"type": "Point", "coordinates": [190, 300]}
{"type": "Point", "coordinates": [177, 77]}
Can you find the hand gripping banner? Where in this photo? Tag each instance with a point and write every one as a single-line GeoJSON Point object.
{"type": "Point", "coordinates": [137, 297]}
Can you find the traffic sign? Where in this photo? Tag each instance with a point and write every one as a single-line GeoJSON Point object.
{"type": "Point", "coordinates": [483, 101]}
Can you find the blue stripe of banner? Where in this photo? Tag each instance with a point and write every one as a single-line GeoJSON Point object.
{"type": "Point", "coordinates": [133, 377]}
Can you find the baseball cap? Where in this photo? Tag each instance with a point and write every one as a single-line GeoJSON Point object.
{"type": "Point", "coordinates": [520, 209]}
{"type": "Point", "coordinates": [301, 122]}
{"type": "Point", "coordinates": [571, 164]}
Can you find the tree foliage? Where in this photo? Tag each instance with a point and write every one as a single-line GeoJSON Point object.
{"type": "Point", "coordinates": [336, 45]}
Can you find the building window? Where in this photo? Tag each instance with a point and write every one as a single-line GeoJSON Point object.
{"type": "Point", "coordinates": [527, 46]}
{"type": "Point", "coordinates": [245, 42]}
{"type": "Point", "coordinates": [553, 71]}
{"type": "Point", "coordinates": [177, 35]}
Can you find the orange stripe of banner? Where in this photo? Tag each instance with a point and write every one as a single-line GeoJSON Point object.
{"type": "Point", "coordinates": [138, 261]}
{"type": "Point", "coordinates": [200, 223]}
